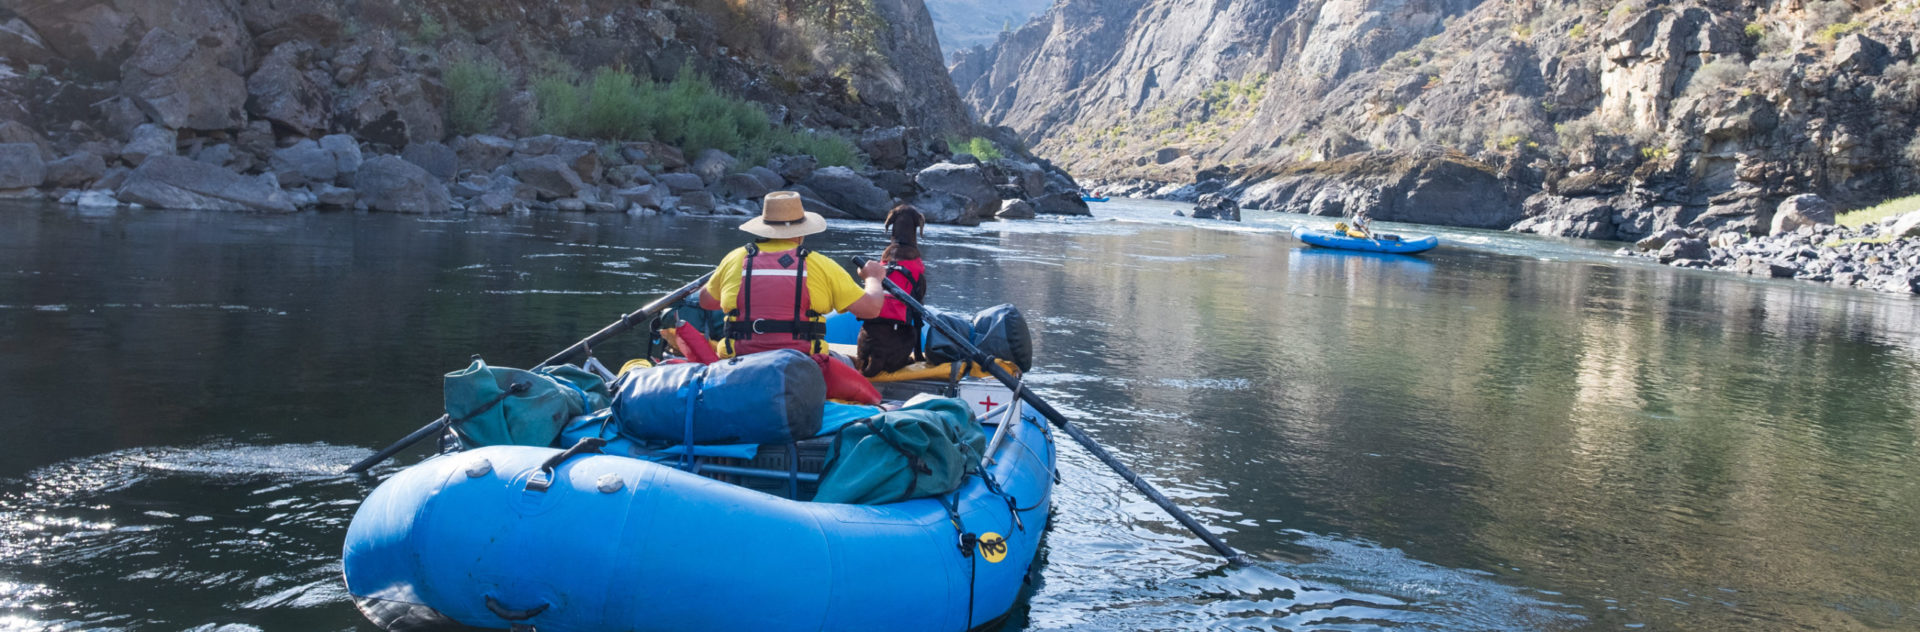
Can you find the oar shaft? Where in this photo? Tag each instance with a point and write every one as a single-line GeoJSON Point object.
{"type": "Point", "coordinates": [1060, 421]}
{"type": "Point", "coordinates": [618, 327]}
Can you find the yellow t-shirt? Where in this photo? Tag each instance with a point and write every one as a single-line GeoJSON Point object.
{"type": "Point", "coordinates": [830, 288]}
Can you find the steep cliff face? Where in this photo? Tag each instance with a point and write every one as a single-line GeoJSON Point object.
{"type": "Point", "coordinates": [1597, 118]}
{"type": "Point", "coordinates": [199, 65]}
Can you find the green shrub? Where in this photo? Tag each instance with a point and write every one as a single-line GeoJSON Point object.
{"type": "Point", "coordinates": [430, 30]}
{"type": "Point", "coordinates": [980, 148]}
{"type": "Point", "coordinates": [1836, 31]}
{"type": "Point", "coordinates": [688, 112]}
{"type": "Point", "coordinates": [1579, 31]}
{"type": "Point", "coordinates": [1755, 31]}
{"type": "Point", "coordinates": [474, 91]}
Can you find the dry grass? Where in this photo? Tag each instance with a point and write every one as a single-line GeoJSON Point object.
{"type": "Point", "coordinates": [1883, 210]}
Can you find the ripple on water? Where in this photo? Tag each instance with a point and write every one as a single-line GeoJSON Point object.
{"type": "Point", "coordinates": [203, 521]}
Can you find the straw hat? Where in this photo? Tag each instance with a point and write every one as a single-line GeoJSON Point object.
{"type": "Point", "coordinates": [783, 217]}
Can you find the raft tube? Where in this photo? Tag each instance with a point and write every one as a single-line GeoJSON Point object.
{"type": "Point", "coordinates": [1089, 198]}
{"type": "Point", "coordinates": [1330, 239]}
{"type": "Point", "coordinates": [618, 543]}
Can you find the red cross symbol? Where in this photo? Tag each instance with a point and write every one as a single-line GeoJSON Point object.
{"type": "Point", "coordinates": [989, 403]}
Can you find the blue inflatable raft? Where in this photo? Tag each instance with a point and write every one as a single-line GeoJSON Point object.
{"type": "Point", "coordinates": [1089, 198]}
{"type": "Point", "coordinates": [1382, 243]}
{"type": "Point", "coordinates": [486, 539]}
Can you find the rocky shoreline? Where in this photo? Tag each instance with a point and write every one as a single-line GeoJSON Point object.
{"type": "Point", "coordinates": [491, 174]}
{"type": "Point", "coordinates": [1804, 244]}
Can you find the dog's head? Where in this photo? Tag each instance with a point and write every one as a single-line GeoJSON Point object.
{"type": "Point", "coordinates": [905, 223]}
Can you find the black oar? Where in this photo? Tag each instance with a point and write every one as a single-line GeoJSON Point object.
{"type": "Point", "coordinates": [618, 327]}
{"type": "Point", "coordinates": [1060, 421]}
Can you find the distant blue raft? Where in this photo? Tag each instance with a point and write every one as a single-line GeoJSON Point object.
{"type": "Point", "coordinates": [479, 538]}
{"type": "Point", "coordinates": [1330, 239]}
{"type": "Point", "coordinates": [1089, 198]}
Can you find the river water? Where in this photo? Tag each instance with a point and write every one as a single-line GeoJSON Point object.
{"type": "Point", "coordinates": [1508, 433]}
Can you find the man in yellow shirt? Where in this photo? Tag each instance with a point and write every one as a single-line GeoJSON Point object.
{"type": "Point", "coordinates": [776, 293]}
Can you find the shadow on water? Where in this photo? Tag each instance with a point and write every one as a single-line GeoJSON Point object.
{"type": "Point", "coordinates": [1503, 433]}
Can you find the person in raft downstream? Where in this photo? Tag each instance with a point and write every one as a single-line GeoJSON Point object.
{"type": "Point", "coordinates": [776, 293]}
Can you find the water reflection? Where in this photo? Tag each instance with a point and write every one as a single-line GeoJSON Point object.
{"type": "Point", "coordinates": [1513, 434]}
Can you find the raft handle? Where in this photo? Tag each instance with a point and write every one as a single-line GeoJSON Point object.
{"type": "Point", "coordinates": [587, 445]}
{"type": "Point", "coordinates": [501, 610]}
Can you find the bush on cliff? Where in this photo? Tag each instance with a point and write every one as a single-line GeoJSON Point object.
{"type": "Point", "coordinates": [980, 148]}
{"type": "Point", "coordinates": [688, 111]}
{"type": "Point", "coordinates": [474, 91]}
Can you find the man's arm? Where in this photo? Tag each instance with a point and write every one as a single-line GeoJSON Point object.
{"type": "Point", "coordinates": [708, 300]}
{"type": "Point", "coordinates": [874, 295]}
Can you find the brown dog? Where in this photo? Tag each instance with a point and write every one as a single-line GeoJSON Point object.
{"type": "Point", "coordinates": [906, 224]}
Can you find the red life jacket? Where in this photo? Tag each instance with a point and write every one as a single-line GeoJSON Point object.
{"type": "Point", "coordinates": [772, 311]}
{"type": "Point", "coordinates": [910, 275]}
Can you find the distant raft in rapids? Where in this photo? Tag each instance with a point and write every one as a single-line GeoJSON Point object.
{"type": "Point", "coordinates": [627, 531]}
{"type": "Point", "coordinates": [1379, 242]}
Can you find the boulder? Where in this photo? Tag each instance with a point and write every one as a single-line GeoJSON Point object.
{"type": "Point", "coordinates": [275, 21]}
{"type": "Point", "coordinates": [946, 208]}
{"type": "Point", "coordinates": [898, 184]}
{"type": "Point", "coordinates": [1656, 241]}
{"type": "Point", "coordinates": [667, 157]}
{"type": "Point", "coordinates": [1907, 226]}
{"type": "Point", "coordinates": [75, 171]}
{"type": "Point", "coordinates": [582, 156]}
{"type": "Point", "coordinates": [336, 196]}
{"type": "Point", "coordinates": [96, 199]}
{"type": "Point", "coordinates": [224, 155]}
{"type": "Point", "coordinates": [1216, 206]}
{"type": "Point", "coordinates": [119, 116]}
{"type": "Point", "coordinates": [1802, 211]}
{"type": "Point", "coordinates": [21, 166]}
{"type": "Point", "coordinates": [644, 196]}
{"type": "Point", "coordinates": [1031, 179]}
{"type": "Point", "coordinates": [437, 158]}
{"type": "Point", "coordinates": [571, 205]}
{"type": "Point", "coordinates": [393, 111]}
{"type": "Point", "coordinates": [1862, 54]}
{"type": "Point", "coordinates": [886, 147]}
{"type": "Point", "coordinates": [713, 164]}
{"type": "Point", "coordinates": [280, 91]}
{"type": "Point", "coordinates": [481, 152]}
{"type": "Point", "coordinates": [629, 175]}
{"type": "Point", "coordinates": [795, 169]}
{"type": "Point", "coordinates": [772, 181]}
{"type": "Point", "coordinates": [813, 203]}
{"type": "Point", "coordinates": [114, 177]}
{"type": "Point", "coordinates": [1764, 268]}
{"type": "Point", "coordinates": [495, 203]}
{"type": "Point", "coordinates": [968, 181]}
{"type": "Point", "coordinates": [176, 182]}
{"type": "Point", "coordinates": [550, 176]}
{"type": "Point", "coordinates": [345, 151]}
{"type": "Point", "coordinates": [680, 183]}
{"type": "Point", "coordinates": [964, 158]}
{"type": "Point", "coordinates": [148, 140]}
{"type": "Point", "coordinates": [1015, 209]}
{"type": "Point", "coordinates": [741, 186]}
{"type": "Point", "coordinates": [18, 132]}
{"type": "Point", "coordinates": [304, 162]}
{"type": "Point", "coordinates": [1062, 203]}
{"type": "Point", "coordinates": [850, 192]}
{"type": "Point", "coordinates": [390, 183]}
{"type": "Point", "coordinates": [181, 84]}
{"type": "Point", "coordinates": [21, 44]}
{"type": "Point", "coordinates": [1688, 249]}
{"type": "Point", "coordinates": [700, 201]}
